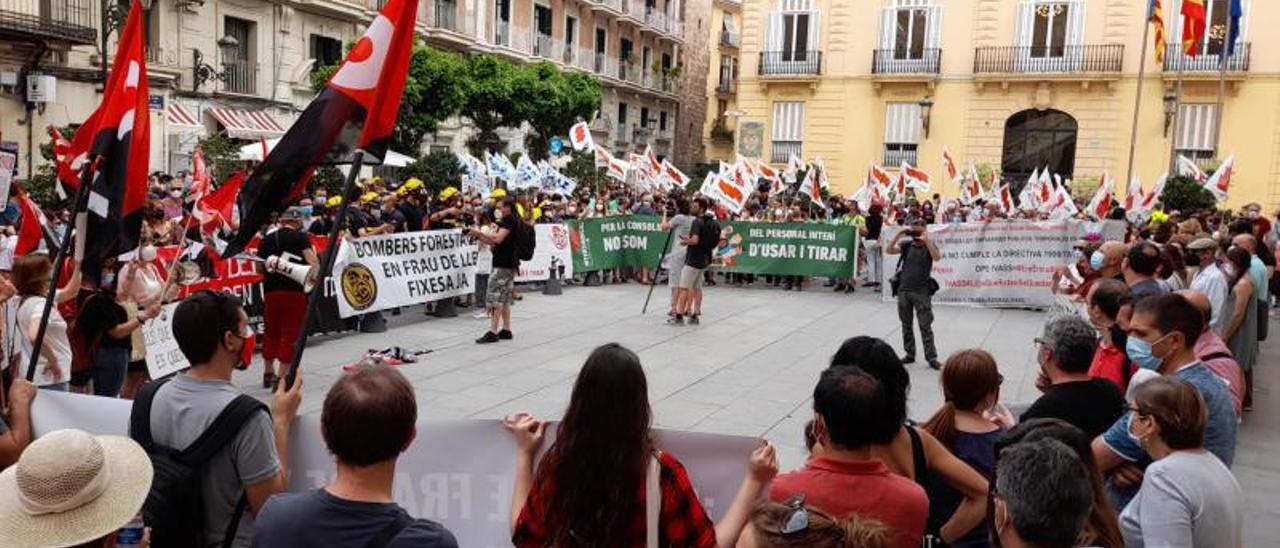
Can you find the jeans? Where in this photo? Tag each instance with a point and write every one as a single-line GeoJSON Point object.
{"type": "Point", "coordinates": [109, 367]}
{"type": "Point", "coordinates": [921, 303]}
{"type": "Point", "coordinates": [482, 285]}
{"type": "Point", "coordinates": [875, 272]}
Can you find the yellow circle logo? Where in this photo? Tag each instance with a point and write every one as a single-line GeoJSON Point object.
{"type": "Point", "coordinates": [358, 286]}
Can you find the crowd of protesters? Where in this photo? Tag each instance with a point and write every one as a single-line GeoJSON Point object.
{"type": "Point", "coordinates": [1145, 371]}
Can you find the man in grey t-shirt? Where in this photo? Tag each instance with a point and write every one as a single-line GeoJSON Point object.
{"type": "Point", "coordinates": [679, 226]}
{"type": "Point", "coordinates": [914, 292]}
{"type": "Point", "coordinates": [211, 329]}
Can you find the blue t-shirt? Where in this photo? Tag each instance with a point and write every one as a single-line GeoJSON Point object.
{"type": "Point", "coordinates": [978, 451]}
{"type": "Point", "coordinates": [1219, 429]}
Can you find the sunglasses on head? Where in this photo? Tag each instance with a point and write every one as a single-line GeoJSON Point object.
{"type": "Point", "coordinates": [797, 519]}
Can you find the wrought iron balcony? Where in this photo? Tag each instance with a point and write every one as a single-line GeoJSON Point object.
{"type": "Point", "coordinates": [727, 86]}
{"type": "Point", "coordinates": [1097, 58]}
{"type": "Point", "coordinates": [898, 61]}
{"type": "Point", "coordinates": [791, 63]}
{"type": "Point", "coordinates": [782, 151]}
{"type": "Point", "coordinates": [721, 133]}
{"type": "Point", "coordinates": [241, 77]}
{"type": "Point", "coordinates": [74, 21]}
{"type": "Point", "coordinates": [1208, 61]}
{"type": "Point", "coordinates": [895, 157]}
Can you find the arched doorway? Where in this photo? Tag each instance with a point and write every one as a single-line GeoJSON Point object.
{"type": "Point", "coordinates": [1034, 139]}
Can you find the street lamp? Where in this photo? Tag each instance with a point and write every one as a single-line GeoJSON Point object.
{"type": "Point", "coordinates": [202, 72]}
{"type": "Point", "coordinates": [926, 108]}
{"type": "Point", "coordinates": [1170, 109]}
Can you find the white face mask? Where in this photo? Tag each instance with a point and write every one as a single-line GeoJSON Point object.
{"type": "Point", "coordinates": [175, 193]}
{"type": "Point", "coordinates": [147, 253]}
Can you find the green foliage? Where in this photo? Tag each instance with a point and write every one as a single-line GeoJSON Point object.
{"type": "Point", "coordinates": [1186, 195]}
{"type": "Point", "coordinates": [582, 168]}
{"type": "Point", "coordinates": [42, 185]}
{"type": "Point", "coordinates": [437, 170]}
{"type": "Point", "coordinates": [328, 178]}
{"type": "Point", "coordinates": [221, 156]}
{"type": "Point", "coordinates": [551, 100]}
{"type": "Point", "coordinates": [491, 99]}
{"type": "Point", "coordinates": [1084, 187]}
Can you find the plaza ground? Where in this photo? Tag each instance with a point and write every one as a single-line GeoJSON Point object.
{"type": "Point", "coordinates": [749, 369]}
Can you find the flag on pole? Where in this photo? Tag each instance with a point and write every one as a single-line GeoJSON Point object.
{"type": "Point", "coordinates": [580, 137]}
{"type": "Point", "coordinates": [949, 165]}
{"type": "Point", "coordinates": [1188, 168]}
{"type": "Point", "coordinates": [1149, 201]}
{"type": "Point", "coordinates": [66, 166]}
{"type": "Point", "coordinates": [356, 111]}
{"type": "Point", "coordinates": [33, 225]}
{"type": "Point", "coordinates": [811, 187]}
{"type": "Point", "coordinates": [1006, 199]}
{"type": "Point", "coordinates": [1220, 182]}
{"type": "Point", "coordinates": [602, 156]}
{"type": "Point", "coordinates": [1193, 26]}
{"type": "Point", "coordinates": [118, 135]}
{"type": "Point", "coordinates": [794, 165]}
{"type": "Point", "coordinates": [881, 177]}
{"type": "Point", "coordinates": [1155, 16]}
{"type": "Point", "coordinates": [676, 176]}
{"type": "Point", "coordinates": [916, 178]}
{"type": "Point", "coordinates": [617, 168]}
{"type": "Point", "coordinates": [1100, 205]}
{"type": "Point", "coordinates": [1236, 12]}
{"type": "Point", "coordinates": [1133, 196]}
{"type": "Point", "coordinates": [214, 210]}
{"type": "Point", "coordinates": [652, 164]}
{"type": "Point", "coordinates": [527, 174]}
{"type": "Point", "coordinates": [201, 181]}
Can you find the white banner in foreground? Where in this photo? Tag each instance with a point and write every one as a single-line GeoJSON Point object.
{"type": "Point", "coordinates": [552, 249]}
{"type": "Point", "coordinates": [1001, 263]}
{"type": "Point", "coordinates": [458, 472]}
{"type": "Point", "coordinates": [390, 270]}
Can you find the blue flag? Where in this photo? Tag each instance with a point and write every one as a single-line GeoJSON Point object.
{"type": "Point", "coordinates": [1237, 11]}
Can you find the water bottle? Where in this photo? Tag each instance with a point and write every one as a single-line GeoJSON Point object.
{"type": "Point", "coordinates": [131, 534]}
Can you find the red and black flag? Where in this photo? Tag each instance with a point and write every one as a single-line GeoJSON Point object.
{"type": "Point", "coordinates": [117, 137]}
{"type": "Point", "coordinates": [32, 228]}
{"type": "Point", "coordinates": [355, 111]}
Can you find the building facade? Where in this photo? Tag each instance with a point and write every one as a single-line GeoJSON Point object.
{"type": "Point", "coordinates": [244, 68]}
{"type": "Point", "coordinates": [722, 79]}
{"type": "Point", "coordinates": [1016, 85]}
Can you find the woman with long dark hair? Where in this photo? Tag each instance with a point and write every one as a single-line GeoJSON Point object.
{"type": "Point", "coordinates": [591, 487]}
{"type": "Point", "coordinates": [969, 426]}
{"type": "Point", "coordinates": [914, 453]}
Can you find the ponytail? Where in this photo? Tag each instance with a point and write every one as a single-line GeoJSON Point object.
{"type": "Point", "coordinates": [943, 425]}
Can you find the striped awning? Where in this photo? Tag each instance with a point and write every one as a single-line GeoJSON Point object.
{"type": "Point", "coordinates": [247, 124]}
{"type": "Point", "coordinates": [181, 120]}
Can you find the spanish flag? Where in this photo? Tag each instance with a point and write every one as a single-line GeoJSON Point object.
{"type": "Point", "coordinates": [1155, 16]}
{"type": "Point", "coordinates": [1193, 26]}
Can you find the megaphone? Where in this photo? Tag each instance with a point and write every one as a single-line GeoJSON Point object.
{"type": "Point", "coordinates": [304, 274]}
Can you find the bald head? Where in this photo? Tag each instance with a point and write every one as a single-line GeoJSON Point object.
{"type": "Point", "coordinates": [1246, 242]}
{"type": "Point", "coordinates": [1113, 255]}
{"type": "Point", "coordinates": [1200, 301]}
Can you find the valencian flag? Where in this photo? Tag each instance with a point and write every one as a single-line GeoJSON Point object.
{"type": "Point", "coordinates": [118, 137]}
{"type": "Point", "coordinates": [356, 110]}
{"type": "Point", "coordinates": [1155, 16]}
{"type": "Point", "coordinates": [1193, 26]}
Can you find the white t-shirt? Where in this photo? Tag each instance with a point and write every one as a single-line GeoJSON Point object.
{"type": "Point", "coordinates": [7, 246]}
{"type": "Point", "coordinates": [55, 336]}
{"type": "Point", "coordinates": [484, 260]}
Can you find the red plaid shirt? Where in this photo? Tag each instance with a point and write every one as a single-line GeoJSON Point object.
{"type": "Point", "coordinates": [682, 521]}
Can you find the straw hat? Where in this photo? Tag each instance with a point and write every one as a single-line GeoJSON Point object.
{"type": "Point", "coordinates": [69, 488]}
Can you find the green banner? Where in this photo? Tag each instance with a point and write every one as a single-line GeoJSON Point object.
{"type": "Point", "coordinates": [804, 249]}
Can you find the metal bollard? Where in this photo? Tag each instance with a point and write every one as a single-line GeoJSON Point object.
{"type": "Point", "coordinates": [445, 309]}
{"type": "Point", "coordinates": [552, 287]}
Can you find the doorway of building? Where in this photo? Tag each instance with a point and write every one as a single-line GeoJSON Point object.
{"type": "Point", "coordinates": [1035, 139]}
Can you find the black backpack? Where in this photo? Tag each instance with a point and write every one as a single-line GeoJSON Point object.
{"type": "Point", "coordinates": [526, 241]}
{"type": "Point", "coordinates": [174, 509]}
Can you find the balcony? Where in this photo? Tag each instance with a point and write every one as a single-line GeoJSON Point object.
{"type": "Point", "coordinates": [727, 86]}
{"type": "Point", "coordinates": [242, 77]}
{"type": "Point", "coordinates": [784, 64]}
{"type": "Point", "coordinates": [633, 11]}
{"type": "Point", "coordinates": [455, 28]}
{"type": "Point", "coordinates": [1104, 60]}
{"type": "Point", "coordinates": [623, 133]}
{"type": "Point", "coordinates": [720, 132]}
{"type": "Point", "coordinates": [1210, 61]}
{"type": "Point", "coordinates": [502, 33]}
{"type": "Point", "coordinates": [629, 72]}
{"type": "Point", "coordinates": [544, 46]}
{"type": "Point", "coordinates": [920, 62]}
{"type": "Point", "coordinates": [782, 151]}
{"type": "Point", "coordinates": [655, 19]}
{"type": "Point", "coordinates": [73, 21]}
{"type": "Point", "coordinates": [730, 39]}
{"type": "Point", "coordinates": [614, 6]}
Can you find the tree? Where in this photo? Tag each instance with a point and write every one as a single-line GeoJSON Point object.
{"type": "Point", "coordinates": [551, 100]}
{"type": "Point", "coordinates": [221, 156]}
{"type": "Point", "coordinates": [437, 171]}
{"type": "Point", "coordinates": [1186, 195]}
{"type": "Point", "coordinates": [436, 88]}
{"type": "Point", "coordinates": [582, 168]}
{"type": "Point", "coordinates": [491, 101]}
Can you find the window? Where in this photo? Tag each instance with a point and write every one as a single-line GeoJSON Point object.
{"type": "Point", "coordinates": [722, 106]}
{"type": "Point", "coordinates": [602, 40]}
{"type": "Point", "coordinates": [326, 51]}
{"type": "Point", "coordinates": [791, 35]}
{"type": "Point", "coordinates": [728, 72]}
{"type": "Point", "coordinates": [901, 133]}
{"type": "Point", "coordinates": [542, 31]}
{"type": "Point", "coordinates": [788, 131]}
{"type": "Point", "coordinates": [571, 32]}
{"type": "Point", "coordinates": [1216, 13]}
{"type": "Point", "coordinates": [622, 117]}
{"type": "Point", "coordinates": [644, 117]}
{"type": "Point", "coordinates": [502, 22]}
{"type": "Point", "coordinates": [1195, 130]}
{"type": "Point", "coordinates": [662, 120]}
{"type": "Point", "coordinates": [446, 14]}
{"type": "Point", "coordinates": [240, 70]}
{"type": "Point", "coordinates": [624, 50]}
{"type": "Point", "coordinates": [1049, 28]}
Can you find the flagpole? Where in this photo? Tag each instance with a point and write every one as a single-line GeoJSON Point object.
{"type": "Point", "coordinates": [78, 206]}
{"type": "Point", "coordinates": [1177, 113]}
{"type": "Point", "coordinates": [1137, 100]}
{"type": "Point", "coordinates": [657, 268]}
{"type": "Point", "coordinates": [1227, 46]}
{"type": "Point", "coordinates": [326, 266]}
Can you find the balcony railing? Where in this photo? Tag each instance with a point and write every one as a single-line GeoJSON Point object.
{"type": "Point", "coordinates": [451, 21]}
{"type": "Point", "coordinates": [75, 21]}
{"type": "Point", "coordinates": [502, 33]}
{"type": "Point", "coordinates": [1210, 61]}
{"type": "Point", "coordinates": [790, 63]}
{"type": "Point", "coordinates": [895, 157]}
{"type": "Point", "coordinates": [730, 39]}
{"type": "Point", "coordinates": [782, 151]}
{"type": "Point", "coordinates": [241, 77]}
{"type": "Point", "coordinates": [444, 15]}
{"type": "Point", "coordinates": [727, 86]}
{"type": "Point", "coordinates": [615, 5]}
{"type": "Point", "coordinates": [655, 19]}
{"type": "Point", "coordinates": [599, 63]}
{"type": "Point", "coordinates": [623, 132]}
{"type": "Point", "coordinates": [1098, 58]}
{"type": "Point", "coordinates": [634, 9]}
{"type": "Point", "coordinates": [721, 133]}
{"type": "Point", "coordinates": [922, 61]}
{"type": "Point", "coordinates": [543, 46]}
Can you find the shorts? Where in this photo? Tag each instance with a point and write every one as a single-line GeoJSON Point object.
{"type": "Point", "coordinates": [691, 278]}
{"type": "Point", "coordinates": [675, 271]}
{"type": "Point", "coordinates": [502, 283]}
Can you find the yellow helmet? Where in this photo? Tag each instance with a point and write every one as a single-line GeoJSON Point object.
{"type": "Point", "coordinates": [369, 197]}
{"type": "Point", "coordinates": [448, 193]}
{"type": "Point", "coordinates": [334, 201]}
{"type": "Point", "coordinates": [498, 193]}
{"type": "Point", "coordinates": [413, 183]}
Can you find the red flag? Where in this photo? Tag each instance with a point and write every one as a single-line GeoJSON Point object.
{"type": "Point", "coordinates": [118, 136]}
{"type": "Point", "coordinates": [201, 181]}
{"type": "Point", "coordinates": [1193, 26]}
{"type": "Point", "coordinates": [33, 223]}
{"type": "Point", "coordinates": [949, 165]}
{"type": "Point", "coordinates": [916, 178]}
{"type": "Point", "coordinates": [214, 210]}
{"type": "Point", "coordinates": [356, 111]}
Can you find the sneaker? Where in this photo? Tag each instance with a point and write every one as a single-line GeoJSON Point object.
{"type": "Point", "coordinates": [935, 365]}
{"type": "Point", "coordinates": [675, 320]}
{"type": "Point", "coordinates": [693, 320]}
{"type": "Point", "coordinates": [480, 315]}
{"type": "Point", "coordinates": [505, 335]}
{"type": "Point", "coordinates": [908, 359]}
{"type": "Point", "coordinates": [489, 337]}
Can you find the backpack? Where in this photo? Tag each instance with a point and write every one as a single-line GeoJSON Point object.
{"type": "Point", "coordinates": [174, 509]}
{"type": "Point", "coordinates": [526, 241]}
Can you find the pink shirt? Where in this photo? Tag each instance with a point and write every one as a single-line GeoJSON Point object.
{"type": "Point", "coordinates": [1217, 357]}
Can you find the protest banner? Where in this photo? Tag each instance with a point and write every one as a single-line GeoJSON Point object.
{"type": "Point", "coordinates": [458, 472]}
{"type": "Point", "coordinates": [1001, 263]}
{"type": "Point", "coordinates": [552, 248]}
{"type": "Point", "coordinates": [391, 270]}
{"type": "Point", "coordinates": [804, 249]}
{"type": "Point", "coordinates": [164, 358]}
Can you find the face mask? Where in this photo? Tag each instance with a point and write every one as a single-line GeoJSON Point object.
{"type": "Point", "coordinates": [108, 280]}
{"type": "Point", "coordinates": [246, 350]}
{"type": "Point", "coordinates": [175, 193]}
{"type": "Point", "coordinates": [307, 211]}
{"type": "Point", "coordinates": [1128, 429]}
{"type": "Point", "coordinates": [1077, 255]}
{"type": "Point", "coordinates": [1097, 260]}
{"type": "Point", "coordinates": [1139, 351]}
{"type": "Point", "coordinates": [148, 253]}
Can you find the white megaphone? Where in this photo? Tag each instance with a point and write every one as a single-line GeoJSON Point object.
{"type": "Point", "coordinates": [304, 274]}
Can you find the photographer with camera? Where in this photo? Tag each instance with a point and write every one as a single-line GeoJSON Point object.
{"type": "Point", "coordinates": [914, 287]}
